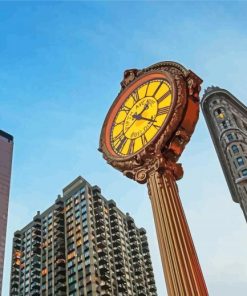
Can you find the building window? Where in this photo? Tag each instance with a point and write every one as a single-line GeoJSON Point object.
{"type": "Point", "coordinates": [230, 137]}
{"type": "Point", "coordinates": [235, 149]}
{"type": "Point", "coordinates": [240, 161]}
{"type": "Point", "coordinates": [244, 172]}
{"type": "Point", "coordinates": [219, 113]}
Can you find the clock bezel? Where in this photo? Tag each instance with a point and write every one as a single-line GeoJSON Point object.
{"type": "Point", "coordinates": [105, 143]}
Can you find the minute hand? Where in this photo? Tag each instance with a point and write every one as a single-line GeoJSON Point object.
{"type": "Point", "coordinates": [145, 118]}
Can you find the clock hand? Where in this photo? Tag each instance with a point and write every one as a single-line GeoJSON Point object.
{"type": "Point", "coordinates": [139, 117]}
{"type": "Point", "coordinates": [145, 108]}
{"type": "Point", "coordinates": [148, 119]}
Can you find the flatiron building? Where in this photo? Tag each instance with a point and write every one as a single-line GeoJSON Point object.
{"type": "Point", "coordinates": [6, 148]}
{"type": "Point", "coordinates": [82, 245]}
{"type": "Point", "coordinates": [226, 118]}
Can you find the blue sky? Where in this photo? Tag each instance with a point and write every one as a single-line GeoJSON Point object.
{"type": "Point", "coordinates": [61, 65]}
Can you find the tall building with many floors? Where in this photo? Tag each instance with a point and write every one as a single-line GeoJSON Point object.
{"type": "Point", "coordinates": [81, 245]}
{"type": "Point", "coordinates": [226, 118]}
{"type": "Point", "coordinates": [6, 149]}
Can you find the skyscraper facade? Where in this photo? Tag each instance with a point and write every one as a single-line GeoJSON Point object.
{"type": "Point", "coordinates": [226, 118]}
{"type": "Point", "coordinates": [81, 245]}
{"type": "Point", "coordinates": [6, 149]}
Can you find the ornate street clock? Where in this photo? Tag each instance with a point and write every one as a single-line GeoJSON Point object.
{"type": "Point", "coordinates": [144, 133]}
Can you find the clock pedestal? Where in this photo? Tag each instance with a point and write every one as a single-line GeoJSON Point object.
{"type": "Point", "coordinates": [180, 263]}
{"type": "Point", "coordinates": [155, 162]}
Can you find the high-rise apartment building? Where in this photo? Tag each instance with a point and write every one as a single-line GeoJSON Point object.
{"type": "Point", "coordinates": [226, 118]}
{"type": "Point", "coordinates": [81, 245]}
{"type": "Point", "coordinates": [6, 148]}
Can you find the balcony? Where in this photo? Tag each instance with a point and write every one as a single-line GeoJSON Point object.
{"type": "Point", "coordinates": [15, 283]}
{"type": "Point", "coordinates": [101, 244]}
{"type": "Point", "coordinates": [59, 235]}
{"type": "Point", "coordinates": [99, 222]}
{"type": "Point", "coordinates": [146, 256]}
{"type": "Point", "coordinates": [59, 246]}
{"type": "Point", "coordinates": [60, 255]}
{"type": "Point", "coordinates": [35, 293]}
{"type": "Point", "coordinates": [113, 215]}
{"type": "Point", "coordinates": [105, 285]}
{"type": "Point", "coordinates": [116, 243]}
{"type": "Point", "coordinates": [100, 237]}
{"type": "Point", "coordinates": [60, 278]}
{"type": "Point", "coordinates": [100, 229]}
{"type": "Point", "coordinates": [34, 286]}
{"type": "Point", "coordinates": [133, 239]}
{"type": "Point", "coordinates": [120, 272]}
{"type": "Point", "coordinates": [135, 251]}
{"type": "Point", "coordinates": [136, 259]}
{"type": "Point", "coordinates": [122, 289]}
{"type": "Point", "coordinates": [151, 281]}
{"type": "Point", "coordinates": [60, 262]}
{"type": "Point", "coordinates": [103, 268]}
{"type": "Point", "coordinates": [61, 287]}
{"type": "Point", "coordinates": [152, 288]}
{"type": "Point", "coordinates": [117, 250]}
{"type": "Point", "coordinates": [36, 238]}
{"type": "Point", "coordinates": [59, 221]}
{"type": "Point", "coordinates": [17, 240]}
{"type": "Point", "coordinates": [60, 269]}
{"type": "Point", "coordinates": [145, 249]}
{"type": "Point", "coordinates": [132, 232]}
{"type": "Point", "coordinates": [119, 264]}
{"type": "Point", "coordinates": [99, 215]}
{"type": "Point", "coordinates": [102, 252]}
{"type": "Point", "coordinates": [116, 235]}
{"type": "Point", "coordinates": [138, 271]}
{"type": "Point", "coordinates": [141, 292]}
{"type": "Point", "coordinates": [37, 223]}
{"type": "Point", "coordinates": [114, 223]}
{"type": "Point", "coordinates": [59, 216]}
{"type": "Point", "coordinates": [103, 261]}
{"type": "Point", "coordinates": [98, 208]}
{"type": "Point", "coordinates": [105, 276]}
{"type": "Point", "coordinates": [60, 227]}
{"type": "Point", "coordinates": [36, 264]}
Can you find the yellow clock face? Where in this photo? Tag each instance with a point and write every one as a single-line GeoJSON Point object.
{"type": "Point", "coordinates": [140, 117]}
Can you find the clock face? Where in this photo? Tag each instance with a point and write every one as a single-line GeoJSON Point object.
{"type": "Point", "coordinates": [139, 116]}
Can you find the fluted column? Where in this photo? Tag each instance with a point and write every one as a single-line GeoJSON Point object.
{"type": "Point", "coordinates": [181, 267]}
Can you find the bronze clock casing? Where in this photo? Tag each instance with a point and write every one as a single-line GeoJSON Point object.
{"type": "Point", "coordinates": [177, 129]}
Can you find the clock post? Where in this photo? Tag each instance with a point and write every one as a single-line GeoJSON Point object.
{"type": "Point", "coordinates": [155, 161]}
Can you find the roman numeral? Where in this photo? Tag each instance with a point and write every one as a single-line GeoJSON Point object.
{"type": "Point", "coordinates": [120, 145]}
{"type": "Point", "coordinates": [156, 126]}
{"type": "Point", "coordinates": [125, 108]}
{"type": "Point", "coordinates": [135, 96]}
{"type": "Point", "coordinates": [147, 89]}
{"type": "Point", "coordinates": [131, 146]}
{"type": "Point", "coordinates": [144, 139]}
{"type": "Point", "coordinates": [116, 124]}
{"type": "Point", "coordinates": [118, 138]}
{"type": "Point", "coordinates": [164, 96]}
{"type": "Point", "coordinates": [163, 110]}
{"type": "Point", "coordinates": [158, 87]}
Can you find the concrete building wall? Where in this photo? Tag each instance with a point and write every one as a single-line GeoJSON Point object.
{"type": "Point", "coordinates": [6, 147]}
{"type": "Point", "coordinates": [226, 118]}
